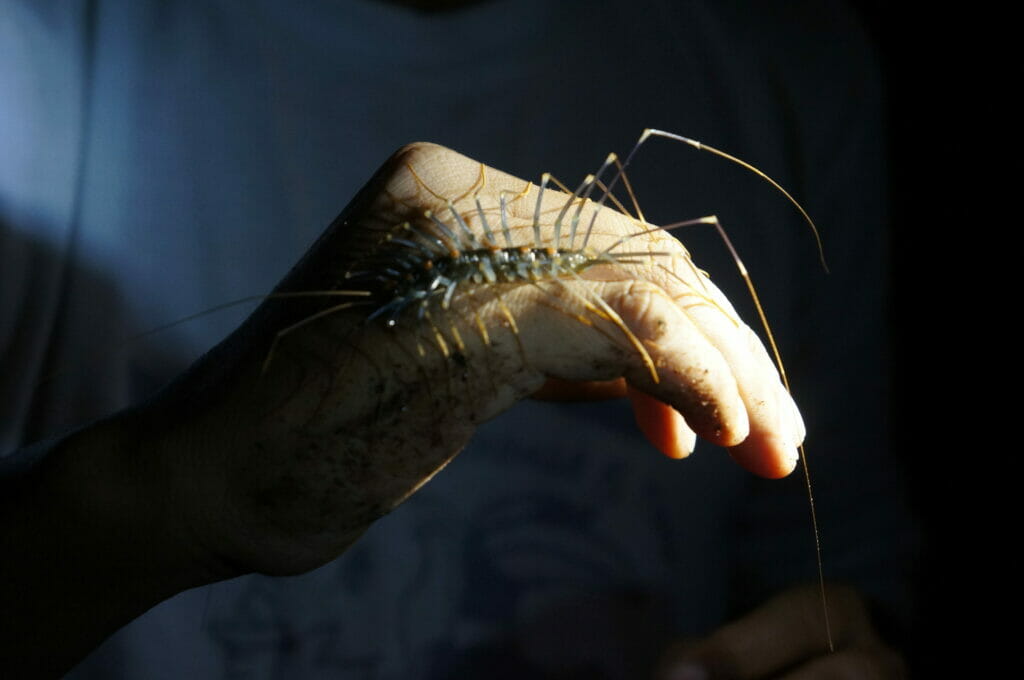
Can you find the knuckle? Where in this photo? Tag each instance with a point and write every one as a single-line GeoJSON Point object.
{"type": "Point", "coordinates": [638, 303]}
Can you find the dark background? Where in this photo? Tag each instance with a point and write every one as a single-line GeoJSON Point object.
{"type": "Point", "coordinates": [954, 178]}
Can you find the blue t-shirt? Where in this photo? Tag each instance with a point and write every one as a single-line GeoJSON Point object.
{"type": "Point", "coordinates": [158, 159]}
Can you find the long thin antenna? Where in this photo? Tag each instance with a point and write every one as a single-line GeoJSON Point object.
{"type": "Point", "coordinates": [764, 323]}
{"type": "Point", "coordinates": [704, 147]}
{"type": "Point", "coordinates": [803, 454]}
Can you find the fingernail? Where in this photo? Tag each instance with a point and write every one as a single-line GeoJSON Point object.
{"type": "Point", "coordinates": [687, 671]}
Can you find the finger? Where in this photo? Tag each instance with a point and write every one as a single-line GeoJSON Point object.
{"type": "Point", "coordinates": [775, 422]}
{"type": "Point", "coordinates": [770, 450]}
{"type": "Point", "coordinates": [663, 426]}
{"type": "Point", "coordinates": [693, 376]}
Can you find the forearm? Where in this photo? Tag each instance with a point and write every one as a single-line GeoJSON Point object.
{"type": "Point", "coordinates": [88, 543]}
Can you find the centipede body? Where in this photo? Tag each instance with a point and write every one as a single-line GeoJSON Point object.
{"type": "Point", "coordinates": [413, 271]}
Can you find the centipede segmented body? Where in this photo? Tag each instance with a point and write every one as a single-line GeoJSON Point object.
{"type": "Point", "coordinates": [414, 270]}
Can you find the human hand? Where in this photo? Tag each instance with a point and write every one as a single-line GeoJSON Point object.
{"type": "Point", "coordinates": [281, 446]}
{"type": "Point", "coordinates": [784, 638]}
